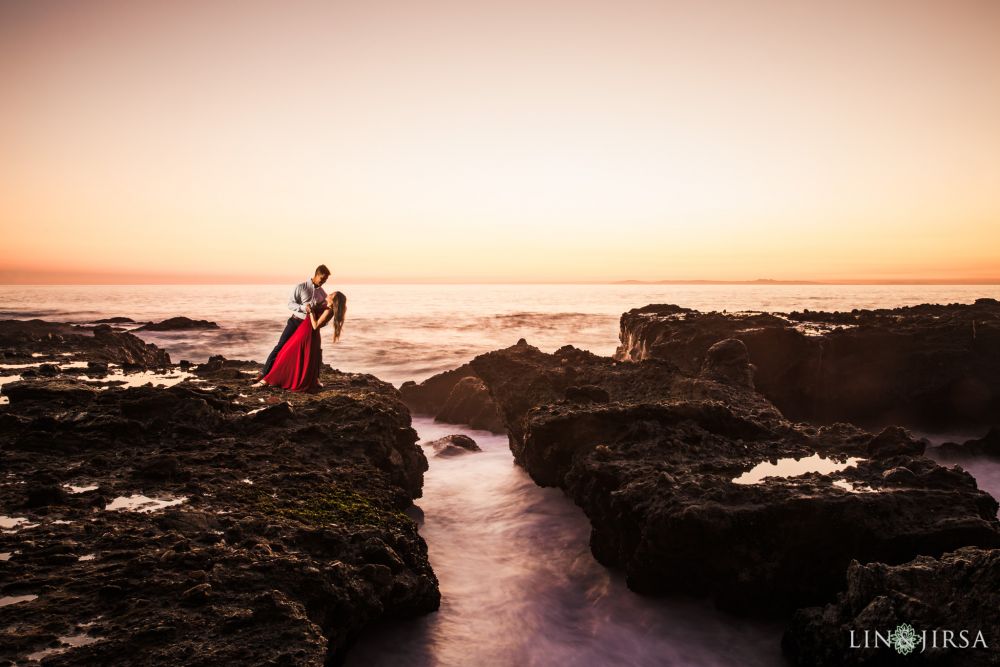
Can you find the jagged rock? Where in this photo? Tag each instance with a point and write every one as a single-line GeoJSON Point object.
{"type": "Point", "coordinates": [288, 537]}
{"type": "Point", "coordinates": [454, 397]}
{"type": "Point", "coordinates": [178, 324]}
{"type": "Point", "coordinates": [728, 361]}
{"type": "Point", "coordinates": [219, 369]}
{"type": "Point", "coordinates": [899, 475]}
{"type": "Point", "coordinates": [45, 494]}
{"type": "Point", "coordinates": [988, 445]}
{"type": "Point", "coordinates": [894, 441]}
{"type": "Point", "coordinates": [97, 368]}
{"type": "Point", "coordinates": [197, 595]}
{"type": "Point", "coordinates": [928, 366]}
{"type": "Point", "coordinates": [469, 403]}
{"type": "Point", "coordinates": [22, 338]}
{"type": "Point", "coordinates": [161, 468]}
{"type": "Point", "coordinates": [429, 396]}
{"type": "Point", "coordinates": [59, 389]}
{"type": "Point", "coordinates": [454, 445]}
{"type": "Point", "coordinates": [587, 393]}
{"type": "Point", "coordinates": [956, 592]}
{"type": "Point", "coordinates": [274, 414]}
{"type": "Point", "coordinates": [115, 320]}
{"type": "Point", "coordinates": [655, 468]}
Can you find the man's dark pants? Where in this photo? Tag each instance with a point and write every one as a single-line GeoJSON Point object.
{"type": "Point", "coordinates": [290, 327]}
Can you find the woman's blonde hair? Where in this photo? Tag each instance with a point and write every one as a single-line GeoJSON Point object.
{"type": "Point", "coordinates": [338, 302]}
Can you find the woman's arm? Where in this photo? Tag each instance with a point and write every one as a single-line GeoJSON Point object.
{"type": "Point", "coordinates": [313, 320]}
{"type": "Point", "coordinates": [323, 318]}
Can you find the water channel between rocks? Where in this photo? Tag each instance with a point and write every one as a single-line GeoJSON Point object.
{"type": "Point", "coordinates": [520, 587]}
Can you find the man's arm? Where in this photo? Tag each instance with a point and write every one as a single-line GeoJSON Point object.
{"type": "Point", "coordinates": [299, 300]}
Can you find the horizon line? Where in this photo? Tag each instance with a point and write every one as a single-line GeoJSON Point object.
{"type": "Point", "coordinates": [758, 281]}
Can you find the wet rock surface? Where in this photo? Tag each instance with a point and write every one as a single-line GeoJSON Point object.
{"type": "Point", "coordinates": [37, 341]}
{"type": "Point", "coordinates": [988, 445]}
{"type": "Point", "coordinates": [955, 593]}
{"type": "Point", "coordinates": [454, 445]}
{"type": "Point", "coordinates": [454, 397]}
{"type": "Point", "coordinates": [654, 468]}
{"type": "Point", "coordinates": [206, 522]}
{"type": "Point", "coordinates": [178, 324]}
{"type": "Point", "coordinates": [928, 366]}
{"type": "Point", "coordinates": [469, 403]}
{"type": "Point", "coordinates": [430, 395]}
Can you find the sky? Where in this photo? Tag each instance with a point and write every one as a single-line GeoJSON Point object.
{"type": "Point", "coordinates": [512, 141]}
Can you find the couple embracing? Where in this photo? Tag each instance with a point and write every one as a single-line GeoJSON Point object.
{"type": "Point", "coordinates": [295, 361]}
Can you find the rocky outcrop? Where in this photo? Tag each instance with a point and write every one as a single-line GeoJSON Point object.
{"type": "Point", "coordinates": [220, 369]}
{"type": "Point", "coordinates": [454, 445]}
{"type": "Point", "coordinates": [955, 594]}
{"type": "Point", "coordinates": [115, 320]}
{"type": "Point", "coordinates": [988, 445]}
{"type": "Point", "coordinates": [469, 403]}
{"type": "Point", "coordinates": [64, 343]}
{"type": "Point", "coordinates": [207, 520]}
{"type": "Point", "coordinates": [728, 361]}
{"type": "Point", "coordinates": [672, 472]}
{"type": "Point", "coordinates": [929, 366]}
{"type": "Point", "coordinates": [178, 324]}
{"type": "Point", "coordinates": [454, 397]}
{"type": "Point", "coordinates": [430, 395]}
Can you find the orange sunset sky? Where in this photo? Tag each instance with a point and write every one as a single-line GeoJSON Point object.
{"type": "Point", "coordinates": [499, 141]}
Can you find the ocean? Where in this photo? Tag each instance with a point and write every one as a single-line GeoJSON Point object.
{"type": "Point", "coordinates": [519, 585]}
{"type": "Point", "coordinates": [410, 332]}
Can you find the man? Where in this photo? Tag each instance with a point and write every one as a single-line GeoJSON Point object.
{"type": "Point", "coordinates": [305, 296]}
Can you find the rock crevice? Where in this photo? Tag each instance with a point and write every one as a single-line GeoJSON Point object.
{"type": "Point", "coordinates": [655, 466]}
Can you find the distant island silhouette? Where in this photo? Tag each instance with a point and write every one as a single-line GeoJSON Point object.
{"type": "Point", "coordinates": [771, 281]}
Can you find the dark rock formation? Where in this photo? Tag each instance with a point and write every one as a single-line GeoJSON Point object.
{"type": "Point", "coordinates": [588, 393]}
{"type": "Point", "coordinates": [894, 441]}
{"type": "Point", "coordinates": [655, 468]}
{"type": "Point", "coordinates": [955, 593]}
{"type": "Point", "coordinates": [19, 339]}
{"type": "Point", "coordinates": [454, 397]}
{"type": "Point", "coordinates": [453, 445]}
{"type": "Point", "coordinates": [220, 369]}
{"type": "Point", "coordinates": [988, 445]}
{"type": "Point", "coordinates": [178, 324]}
{"type": "Point", "coordinates": [115, 320]}
{"type": "Point", "coordinates": [728, 361]}
{"type": "Point", "coordinates": [469, 402]}
{"type": "Point", "coordinates": [429, 396]}
{"type": "Point", "coordinates": [931, 366]}
{"type": "Point", "coordinates": [97, 367]}
{"type": "Point", "coordinates": [284, 534]}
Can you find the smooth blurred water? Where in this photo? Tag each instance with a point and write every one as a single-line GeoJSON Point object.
{"type": "Point", "coordinates": [520, 587]}
{"type": "Point", "coordinates": [409, 332]}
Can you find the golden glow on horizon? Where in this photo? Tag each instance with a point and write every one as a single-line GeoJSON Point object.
{"type": "Point", "coordinates": [507, 141]}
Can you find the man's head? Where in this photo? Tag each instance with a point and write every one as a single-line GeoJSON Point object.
{"type": "Point", "coordinates": [322, 273]}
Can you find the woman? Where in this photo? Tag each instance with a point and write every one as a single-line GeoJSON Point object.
{"type": "Point", "coordinates": [297, 364]}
